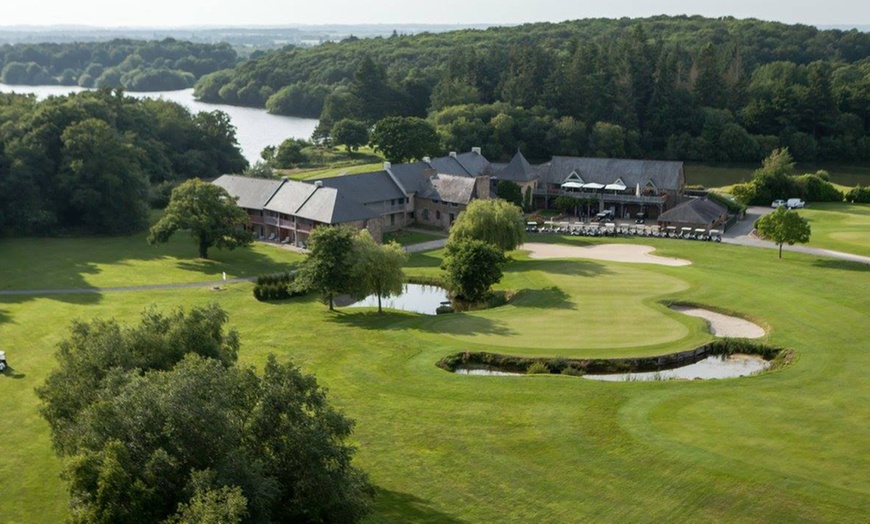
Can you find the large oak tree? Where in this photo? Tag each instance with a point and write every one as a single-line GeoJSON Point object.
{"type": "Point", "coordinates": [208, 212]}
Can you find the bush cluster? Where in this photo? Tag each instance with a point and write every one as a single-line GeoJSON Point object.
{"type": "Point", "coordinates": [278, 286]}
{"type": "Point", "coordinates": [859, 195]}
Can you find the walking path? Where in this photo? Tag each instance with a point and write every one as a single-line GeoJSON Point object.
{"type": "Point", "coordinates": [742, 234]}
{"type": "Point", "coordinates": [426, 246]}
{"type": "Point", "coordinates": [81, 290]}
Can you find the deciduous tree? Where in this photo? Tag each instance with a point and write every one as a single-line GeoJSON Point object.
{"type": "Point", "coordinates": [378, 268]}
{"type": "Point", "coordinates": [329, 267]}
{"type": "Point", "coordinates": [784, 227]}
{"type": "Point", "coordinates": [208, 212]}
{"type": "Point", "coordinates": [496, 222]}
{"type": "Point", "coordinates": [472, 267]}
{"type": "Point", "coordinates": [402, 139]}
{"type": "Point", "coordinates": [193, 438]}
{"type": "Point", "coordinates": [350, 133]}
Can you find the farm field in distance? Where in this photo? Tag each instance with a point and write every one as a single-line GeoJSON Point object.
{"type": "Point", "coordinates": [723, 175]}
{"type": "Point", "coordinates": [787, 445]}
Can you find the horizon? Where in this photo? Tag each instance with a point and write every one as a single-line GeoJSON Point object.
{"type": "Point", "coordinates": [198, 14]}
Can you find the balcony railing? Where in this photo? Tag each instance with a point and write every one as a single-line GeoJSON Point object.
{"type": "Point", "coordinates": [608, 197]}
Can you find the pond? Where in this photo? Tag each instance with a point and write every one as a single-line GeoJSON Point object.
{"type": "Point", "coordinates": [709, 368]}
{"type": "Point", "coordinates": [712, 367]}
{"type": "Point", "coordinates": [415, 298]}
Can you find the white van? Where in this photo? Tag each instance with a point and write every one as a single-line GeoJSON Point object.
{"type": "Point", "coordinates": [795, 203]}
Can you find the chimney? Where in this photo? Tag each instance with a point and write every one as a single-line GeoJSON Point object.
{"type": "Point", "coordinates": [318, 183]}
{"type": "Point", "coordinates": [475, 150]}
{"type": "Point", "coordinates": [429, 173]}
{"type": "Point", "coordinates": [453, 154]}
{"type": "Point", "coordinates": [482, 187]}
{"type": "Point", "coordinates": [427, 159]}
{"type": "Point", "coordinates": [387, 165]}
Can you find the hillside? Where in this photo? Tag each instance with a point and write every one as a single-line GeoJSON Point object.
{"type": "Point", "coordinates": [670, 87]}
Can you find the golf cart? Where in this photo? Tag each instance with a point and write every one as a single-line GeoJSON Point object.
{"type": "Point", "coordinates": [641, 218]}
{"type": "Point", "coordinates": [2, 361]}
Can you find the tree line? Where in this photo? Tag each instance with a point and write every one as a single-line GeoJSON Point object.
{"type": "Point", "coordinates": [664, 87]}
{"type": "Point", "coordinates": [93, 162]}
{"type": "Point", "coordinates": [135, 65]}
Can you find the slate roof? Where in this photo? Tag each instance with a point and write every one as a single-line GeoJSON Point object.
{"type": "Point", "coordinates": [448, 165]}
{"type": "Point", "coordinates": [329, 206]}
{"type": "Point", "coordinates": [518, 170]}
{"type": "Point", "coordinates": [366, 188]}
{"type": "Point", "coordinates": [695, 211]}
{"type": "Point", "coordinates": [321, 204]}
{"type": "Point", "coordinates": [290, 197]}
{"type": "Point", "coordinates": [253, 193]}
{"type": "Point", "coordinates": [448, 188]}
{"type": "Point", "coordinates": [474, 163]}
{"type": "Point", "coordinates": [666, 175]}
{"type": "Point", "coordinates": [412, 176]}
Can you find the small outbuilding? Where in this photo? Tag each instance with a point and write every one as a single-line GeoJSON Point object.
{"type": "Point", "coordinates": [697, 213]}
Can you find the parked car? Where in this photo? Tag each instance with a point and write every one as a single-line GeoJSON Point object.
{"type": "Point", "coordinates": [795, 203]}
{"type": "Point", "coordinates": [776, 203]}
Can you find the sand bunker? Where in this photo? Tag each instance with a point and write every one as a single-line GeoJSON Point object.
{"type": "Point", "coordinates": [723, 325]}
{"type": "Point", "coordinates": [609, 252]}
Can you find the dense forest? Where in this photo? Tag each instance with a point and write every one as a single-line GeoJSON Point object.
{"type": "Point", "coordinates": [665, 87]}
{"type": "Point", "coordinates": [94, 161]}
{"type": "Point", "coordinates": [132, 64]}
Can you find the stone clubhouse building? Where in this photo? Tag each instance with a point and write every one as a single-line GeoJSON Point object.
{"type": "Point", "coordinates": [433, 191]}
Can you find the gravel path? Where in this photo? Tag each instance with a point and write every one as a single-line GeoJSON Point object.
{"type": "Point", "coordinates": [742, 234]}
{"type": "Point", "coordinates": [82, 290]}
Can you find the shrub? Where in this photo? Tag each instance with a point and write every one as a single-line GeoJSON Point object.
{"type": "Point", "coordinates": [278, 286]}
{"type": "Point", "coordinates": [538, 368]}
{"type": "Point", "coordinates": [734, 207]}
{"type": "Point", "coordinates": [859, 195]}
{"type": "Point", "coordinates": [814, 188]}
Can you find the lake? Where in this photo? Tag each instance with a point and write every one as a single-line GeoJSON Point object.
{"type": "Point", "coordinates": [255, 128]}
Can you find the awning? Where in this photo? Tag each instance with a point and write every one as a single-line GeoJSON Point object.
{"type": "Point", "coordinates": [614, 187]}
{"type": "Point", "coordinates": [572, 185]}
{"type": "Point", "coordinates": [593, 185]}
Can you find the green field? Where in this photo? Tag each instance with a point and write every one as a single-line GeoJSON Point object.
{"type": "Point", "coordinates": [840, 227]}
{"type": "Point", "coordinates": [408, 238]}
{"type": "Point", "coordinates": [722, 175]}
{"type": "Point", "coordinates": [791, 445]}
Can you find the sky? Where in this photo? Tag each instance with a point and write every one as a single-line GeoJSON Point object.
{"type": "Point", "coordinates": [176, 13]}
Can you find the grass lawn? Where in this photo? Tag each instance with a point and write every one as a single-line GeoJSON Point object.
{"type": "Point", "coordinates": [793, 445]}
{"type": "Point", "coordinates": [726, 175]}
{"type": "Point", "coordinates": [408, 238]}
{"type": "Point", "coordinates": [840, 227]}
{"type": "Point", "coordinates": [64, 263]}
{"type": "Point", "coordinates": [313, 174]}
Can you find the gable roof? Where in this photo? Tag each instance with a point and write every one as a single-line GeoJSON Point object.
{"type": "Point", "coordinates": [412, 176]}
{"type": "Point", "coordinates": [448, 188]}
{"type": "Point", "coordinates": [322, 204]}
{"type": "Point", "coordinates": [448, 165]}
{"type": "Point", "coordinates": [518, 170]}
{"type": "Point", "coordinates": [666, 175]}
{"type": "Point", "coordinates": [329, 206]}
{"type": "Point", "coordinates": [366, 188]}
{"type": "Point", "coordinates": [695, 211]}
{"type": "Point", "coordinates": [474, 163]}
{"type": "Point", "coordinates": [252, 193]}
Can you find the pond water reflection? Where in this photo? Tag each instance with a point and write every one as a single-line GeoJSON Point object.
{"type": "Point", "coordinates": [415, 298]}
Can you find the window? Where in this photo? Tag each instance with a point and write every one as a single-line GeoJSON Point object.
{"type": "Point", "coordinates": [437, 215]}
{"type": "Point", "coordinates": [452, 217]}
{"type": "Point", "coordinates": [392, 220]}
{"type": "Point", "coordinates": [426, 215]}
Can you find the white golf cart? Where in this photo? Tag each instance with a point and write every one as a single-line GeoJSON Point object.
{"type": "Point", "coordinates": [2, 361]}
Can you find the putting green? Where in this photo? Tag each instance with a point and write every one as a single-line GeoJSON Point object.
{"type": "Point", "coordinates": [569, 307]}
